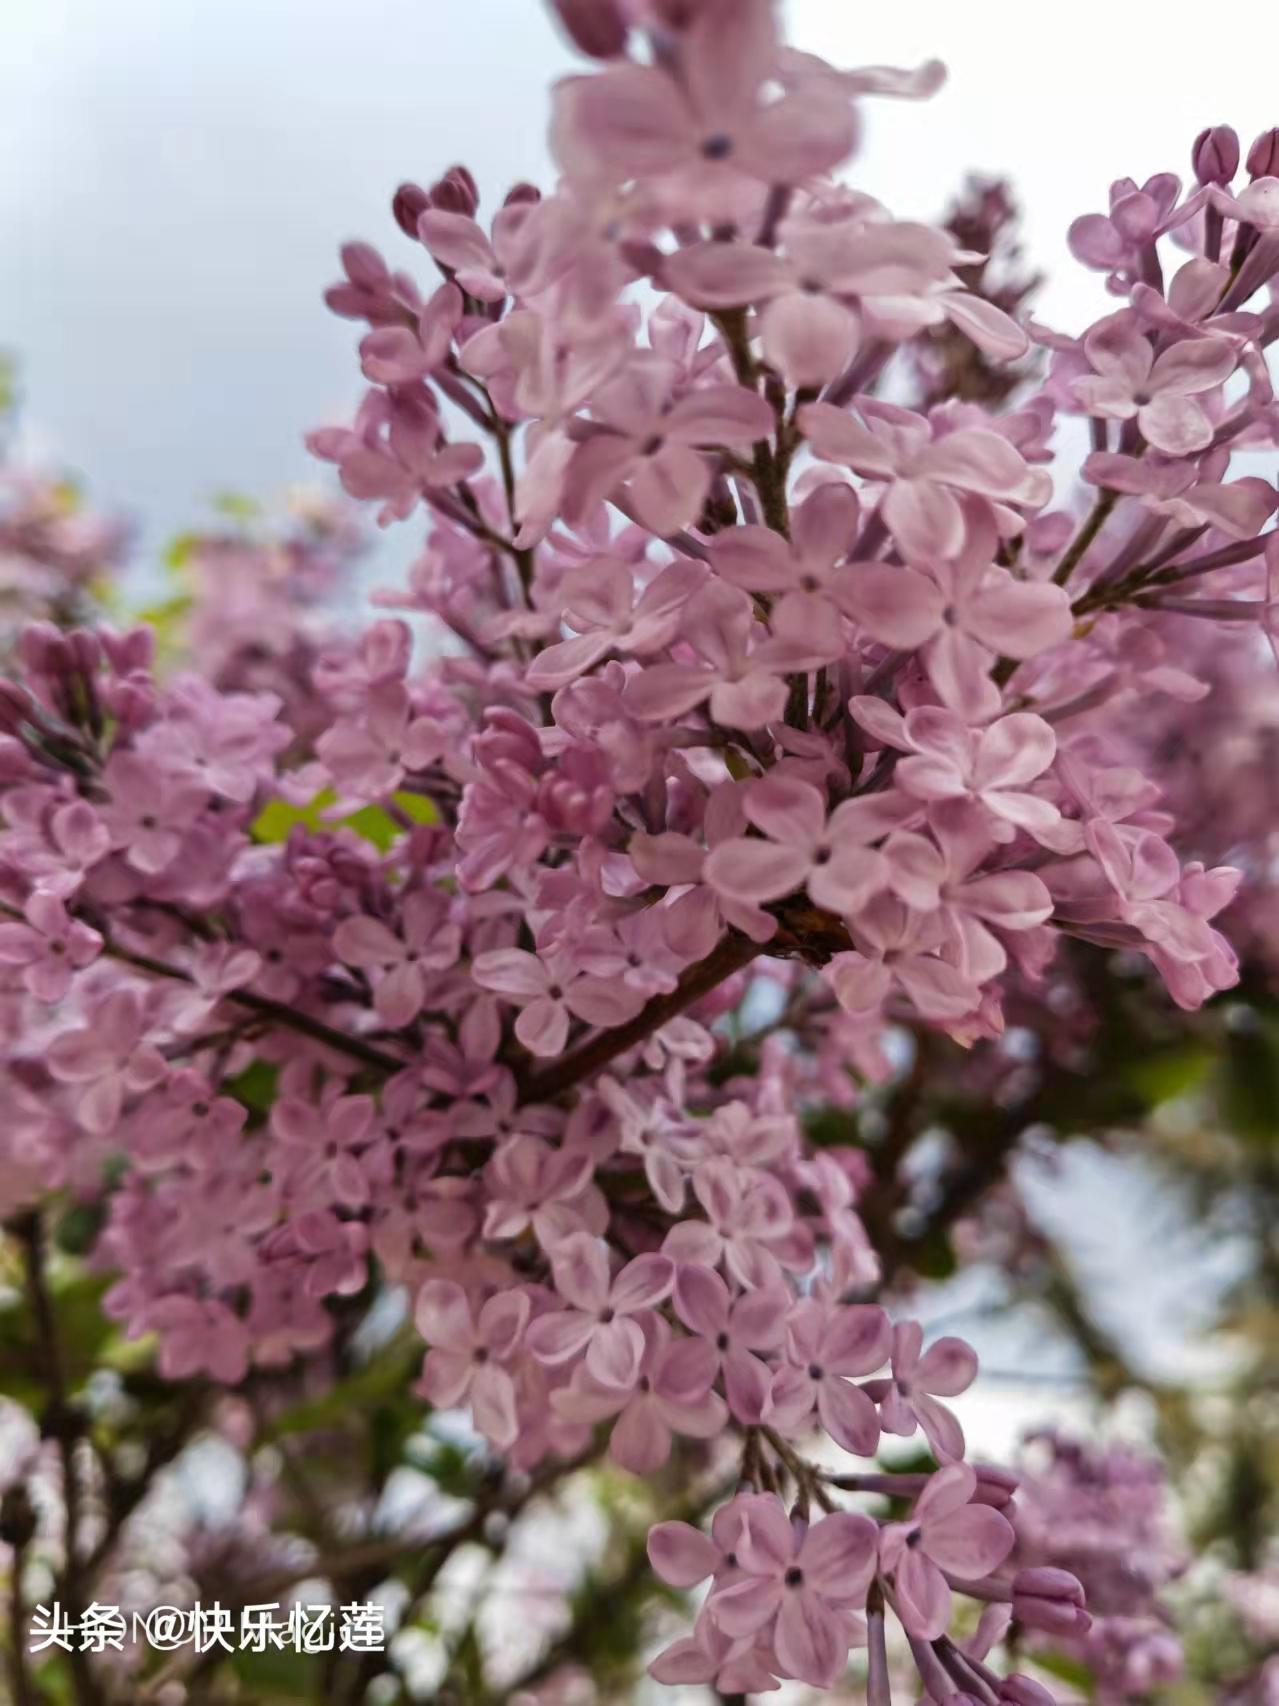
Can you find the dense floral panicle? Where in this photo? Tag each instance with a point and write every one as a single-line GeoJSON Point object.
{"type": "Point", "coordinates": [786, 702]}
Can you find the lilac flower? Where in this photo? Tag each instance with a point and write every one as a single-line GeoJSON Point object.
{"type": "Point", "coordinates": [701, 135]}
{"type": "Point", "coordinates": [947, 1534]}
{"type": "Point", "coordinates": [833, 859]}
{"type": "Point", "coordinates": [963, 615]}
{"type": "Point", "coordinates": [147, 812]}
{"type": "Point", "coordinates": [669, 1393]}
{"type": "Point", "coordinates": [824, 1347]}
{"type": "Point", "coordinates": [747, 1216]}
{"type": "Point", "coordinates": [428, 943]}
{"type": "Point", "coordinates": [108, 1059]}
{"type": "Point", "coordinates": [949, 761]}
{"type": "Point", "coordinates": [809, 1581]}
{"type": "Point", "coordinates": [909, 1399]}
{"type": "Point", "coordinates": [599, 603]}
{"type": "Point", "coordinates": [1158, 391]}
{"type": "Point", "coordinates": [469, 1355]}
{"type": "Point", "coordinates": [923, 474]}
{"type": "Point", "coordinates": [734, 1329]}
{"type": "Point", "coordinates": [322, 1147]}
{"type": "Point", "coordinates": [651, 444]}
{"type": "Point", "coordinates": [548, 992]}
{"type": "Point", "coordinates": [50, 947]}
{"type": "Point", "coordinates": [550, 1191]}
{"type": "Point", "coordinates": [600, 1321]}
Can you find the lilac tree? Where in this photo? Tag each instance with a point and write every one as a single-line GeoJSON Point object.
{"type": "Point", "coordinates": [539, 1022]}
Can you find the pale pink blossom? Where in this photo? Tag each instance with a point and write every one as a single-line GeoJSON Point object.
{"type": "Point", "coordinates": [426, 943]}
{"type": "Point", "coordinates": [734, 1329]}
{"type": "Point", "coordinates": [601, 1320]}
{"type": "Point", "coordinates": [1159, 391]}
{"type": "Point", "coordinates": [50, 947]}
{"type": "Point", "coordinates": [469, 1353]}
{"type": "Point", "coordinates": [809, 1581]}
{"type": "Point", "coordinates": [825, 1346]}
{"type": "Point", "coordinates": [909, 1399]}
{"type": "Point", "coordinates": [947, 1534]}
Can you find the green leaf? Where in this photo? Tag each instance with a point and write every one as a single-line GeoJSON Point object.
{"type": "Point", "coordinates": [1248, 1083]}
{"type": "Point", "coordinates": [1069, 1670]}
{"type": "Point", "coordinates": [276, 820]}
{"type": "Point", "coordinates": [277, 1676]}
{"type": "Point", "coordinates": [238, 505]}
{"type": "Point", "coordinates": [388, 1375]}
{"type": "Point", "coordinates": [255, 1087]}
{"type": "Point", "coordinates": [84, 1335]}
{"type": "Point", "coordinates": [1163, 1077]}
{"type": "Point", "coordinates": [178, 552]}
{"type": "Point", "coordinates": [833, 1128]}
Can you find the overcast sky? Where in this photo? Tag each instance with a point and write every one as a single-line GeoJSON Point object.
{"type": "Point", "coordinates": [176, 176]}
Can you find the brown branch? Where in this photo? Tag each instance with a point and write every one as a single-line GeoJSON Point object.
{"type": "Point", "coordinates": [731, 954]}
{"type": "Point", "coordinates": [59, 1422]}
{"type": "Point", "coordinates": [1106, 501]}
{"type": "Point", "coordinates": [17, 1529]}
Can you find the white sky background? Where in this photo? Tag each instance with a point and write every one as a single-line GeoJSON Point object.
{"type": "Point", "coordinates": [176, 177]}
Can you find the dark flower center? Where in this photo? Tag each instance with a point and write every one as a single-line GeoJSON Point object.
{"type": "Point", "coordinates": [814, 1371]}
{"type": "Point", "coordinates": [717, 147]}
{"type": "Point", "coordinates": [721, 1343]}
{"type": "Point", "coordinates": [794, 1577]}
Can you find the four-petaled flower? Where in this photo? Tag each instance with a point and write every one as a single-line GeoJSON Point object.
{"type": "Point", "coordinates": [602, 1318]}
{"type": "Point", "coordinates": [469, 1353]}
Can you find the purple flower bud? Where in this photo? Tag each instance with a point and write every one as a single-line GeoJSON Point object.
{"type": "Point", "coordinates": [1051, 1599]}
{"type": "Point", "coordinates": [127, 652]}
{"type": "Point", "coordinates": [595, 27]}
{"type": "Point", "coordinates": [15, 707]}
{"type": "Point", "coordinates": [518, 194]}
{"type": "Point", "coordinates": [1263, 156]}
{"type": "Point", "coordinates": [408, 205]}
{"type": "Point", "coordinates": [84, 651]}
{"type": "Point", "coordinates": [994, 1486]}
{"type": "Point", "coordinates": [456, 192]}
{"type": "Point", "coordinates": [41, 648]}
{"type": "Point", "coordinates": [677, 14]}
{"type": "Point", "coordinates": [1018, 1690]}
{"type": "Point", "coordinates": [1215, 155]}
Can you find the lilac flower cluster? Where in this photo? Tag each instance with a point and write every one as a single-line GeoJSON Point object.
{"type": "Point", "coordinates": [756, 687]}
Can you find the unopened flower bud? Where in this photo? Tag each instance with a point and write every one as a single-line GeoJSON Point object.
{"type": "Point", "coordinates": [595, 27]}
{"type": "Point", "coordinates": [1215, 155]}
{"type": "Point", "coordinates": [1050, 1599]}
{"type": "Point", "coordinates": [1018, 1690]}
{"type": "Point", "coordinates": [678, 14]}
{"type": "Point", "coordinates": [128, 652]}
{"type": "Point", "coordinates": [994, 1486]}
{"type": "Point", "coordinates": [521, 193]}
{"type": "Point", "coordinates": [1263, 156]}
{"type": "Point", "coordinates": [456, 192]}
{"type": "Point", "coordinates": [85, 651]}
{"type": "Point", "coordinates": [408, 205]}
{"type": "Point", "coordinates": [15, 707]}
{"type": "Point", "coordinates": [41, 648]}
